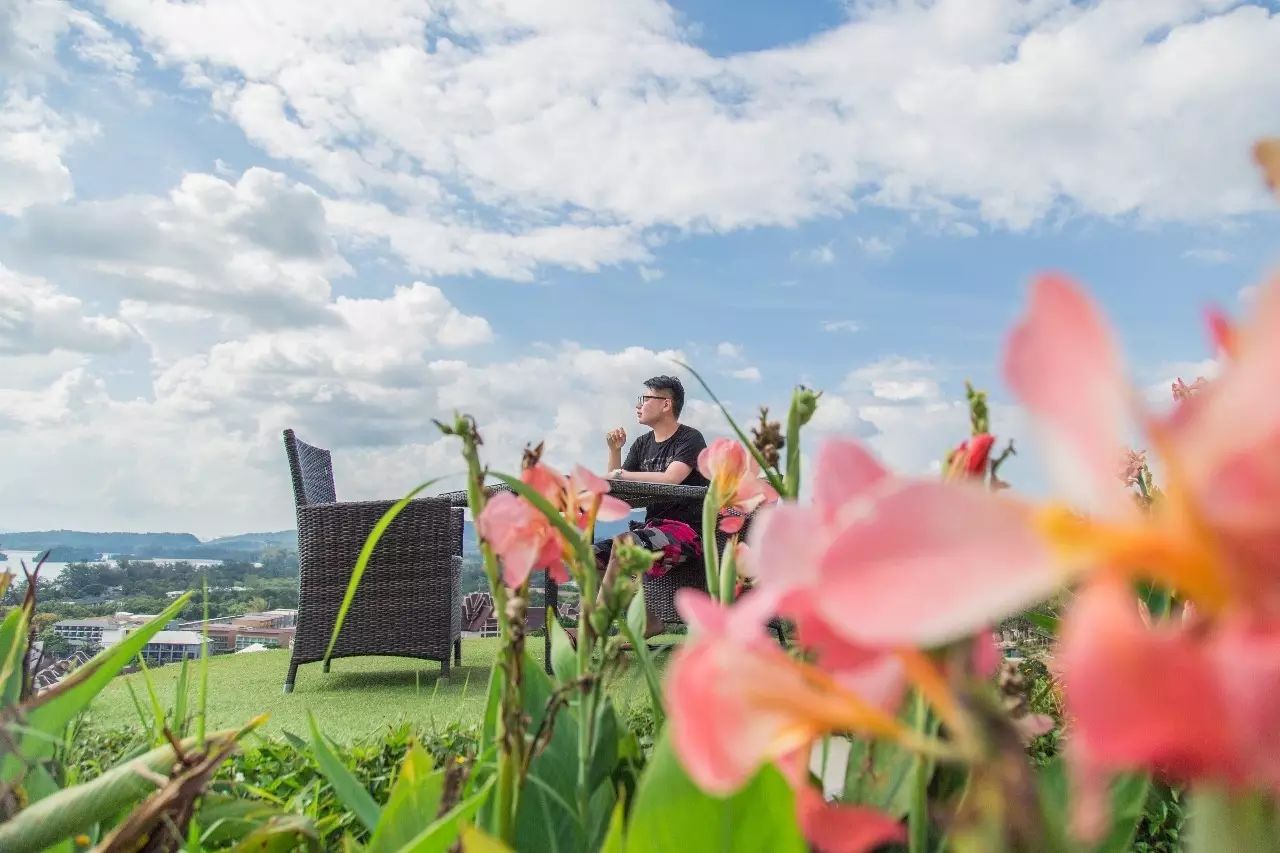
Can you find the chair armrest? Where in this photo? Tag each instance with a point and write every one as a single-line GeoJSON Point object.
{"type": "Point", "coordinates": [642, 494]}
{"type": "Point", "coordinates": [425, 522]}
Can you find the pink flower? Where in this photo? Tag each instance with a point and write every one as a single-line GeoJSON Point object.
{"type": "Point", "coordinates": [525, 540]}
{"type": "Point", "coordinates": [735, 481]}
{"type": "Point", "coordinates": [522, 537]}
{"type": "Point", "coordinates": [1183, 391]}
{"type": "Point", "coordinates": [582, 497]}
{"type": "Point", "coordinates": [1131, 464]}
{"type": "Point", "coordinates": [1192, 703]}
{"type": "Point", "coordinates": [885, 561]}
{"type": "Point", "coordinates": [738, 701]}
{"type": "Point", "coordinates": [969, 459]}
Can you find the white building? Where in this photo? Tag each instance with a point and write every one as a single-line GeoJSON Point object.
{"type": "Point", "coordinates": [164, 647]}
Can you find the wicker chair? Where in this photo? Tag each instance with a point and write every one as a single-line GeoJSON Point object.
{"type": "Point", "coordinates": [409, 602]}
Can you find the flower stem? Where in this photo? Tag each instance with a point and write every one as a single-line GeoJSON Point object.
{"type": "Point", "coordinates": [710, 515]}
{"type": "Point", "coordinates": [918, 818]}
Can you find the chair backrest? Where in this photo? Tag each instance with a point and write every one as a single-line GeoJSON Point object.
{"type": "Point", "coordinates": [312, 471]}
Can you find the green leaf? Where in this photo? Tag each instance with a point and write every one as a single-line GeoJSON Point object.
{"type": "Point", "coordinates": [615, 837]}
{"type": "Point", "coordinates": [44, 715]}
{"type": "Point", "coordinates": [672, 813]}
{"type": "Point", "coordinates": [604, 750]}
{"type": "Point", "coordinates": [362, 562]}
{"type": "Point", "coordinates": [774, 480]}
{"type": "Point", "coordinates": [879, 774]}
{"type": "Point", "coordinates": [637, 619]}
{"type": "Point", "coordinates": [564, 658]}
{"type": "Point", "coordinates": [1221, 821]}
{"type": "Point", "coordinates": [76, 809]}
{"type": "Point", "coordinates": [476, 840]}
{"type": "Point", "coordinates": [440, 835]}
{"type": "Point", "coordinates": [281, 834]}
{"type": "Point", "coordinates": [347, 787]}
{"type": "Point", "coordinates": [1128, 798]}
{"type": "Point", "coordinates": [13, 646]}
{"type": "Point", "coordinates": [414, 798]}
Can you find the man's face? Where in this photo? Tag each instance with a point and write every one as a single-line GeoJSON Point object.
{"type": "Point", "coordinates": [652, 405]}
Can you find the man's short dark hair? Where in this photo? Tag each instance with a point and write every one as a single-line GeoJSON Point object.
{"type": "Point", "coordinates": [668, 383]}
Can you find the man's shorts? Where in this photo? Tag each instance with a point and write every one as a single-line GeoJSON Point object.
{"type": "Point", "coordinates": [674, 540]}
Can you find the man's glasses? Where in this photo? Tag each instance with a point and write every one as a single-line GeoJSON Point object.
{"type": "Point", "coordinates": [640, 400]}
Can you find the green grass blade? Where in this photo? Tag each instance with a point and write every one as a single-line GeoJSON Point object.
{"type": "Point", "coordinates": [772, 475]}
{"type": "Point", "coordinates": [50, 711]}
{"type": "Point", "coordinates": [362, 562]}
{"type": "Point", "coordinates": [180, 700]}
{"type": "Point", "coordinates": [202, 695]}
{"type": "Point", "coordinates": [143, 719]}
{"type": "Point", "coordinates": [157, 710]}
{"type": "Point", "coordinates": [345, 785]}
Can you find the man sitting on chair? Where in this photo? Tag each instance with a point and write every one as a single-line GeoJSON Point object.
{"type": "Point", "coordinates": [668, 453]}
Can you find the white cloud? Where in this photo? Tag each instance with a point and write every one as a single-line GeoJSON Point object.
{"type": "Point", "coordinates": [840, 326]}
{"type": "Point", "coordinates": [747, 374]}
{"type": "Point", "coordinates": [725, 349]}
{"type": "Point", "coordinates": [822, 256]}
{"type": "Point", "coordinates": [542, 115]}
{"type": "Point", "coordinates": [35, 318]}
{"type": "Point", "coordinates": [33, 141]}
{"type": "Point", "coordinates": [896, 379]}
{"type": "Point", "coordinates": [1209, 256]}
{"type": "Point", "coordinates": [874, 247]}
{"type": "Point", "coordinates": [651, 273]}
{"type": "Point", "coordinates": [259, 247]}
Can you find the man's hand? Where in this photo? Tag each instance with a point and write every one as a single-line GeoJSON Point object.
{"type": "Point", "coordinates": [615, 438]}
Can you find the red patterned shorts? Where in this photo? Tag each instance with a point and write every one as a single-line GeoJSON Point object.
{"type": "Point", "coordinates": [674, 540]}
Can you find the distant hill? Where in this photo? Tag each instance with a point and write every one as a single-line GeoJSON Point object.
{"type": "Point", "coordinates": [72, 545]}
{"type": "Point", "coordinates": [256, 541]}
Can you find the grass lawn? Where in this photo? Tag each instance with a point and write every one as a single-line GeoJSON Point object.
{"type": "Point", "coordinates": [357, 698]}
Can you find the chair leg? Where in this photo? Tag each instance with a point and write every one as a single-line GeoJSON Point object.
{"type": "Point", "coordinates": [444, 667]}
{"type": "Point", "coordinates": [289, 679]}
{"type": "Point", "coordinates": [457, 652]}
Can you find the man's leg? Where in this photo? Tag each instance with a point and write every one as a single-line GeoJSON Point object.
{"type": "Point", "coordinates": [653, 626]}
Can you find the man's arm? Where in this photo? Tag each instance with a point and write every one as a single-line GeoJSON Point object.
{"type": "Point", "coordinates": [674, 475]}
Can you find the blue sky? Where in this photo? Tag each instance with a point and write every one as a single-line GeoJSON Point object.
{"type": "Point", "coordinates": [218, 220]}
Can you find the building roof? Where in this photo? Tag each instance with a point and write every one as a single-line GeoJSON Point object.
{"type": "Point", "coordinates": [91, 622]}
{"type": "Point", "coordinates": [181, 638]}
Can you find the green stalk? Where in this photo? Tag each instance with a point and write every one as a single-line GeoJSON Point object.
{"type": "Point", "coordinates": [792, 477]}
{"type": "Point", "coordinates": [918, 818]}
{"type": "Point", "coordinates": [710, 558]}
{"type": "Point", "coordinates": [770, 473]}
{"type": "Point", "coordinates": [203, 690]}
{"type": "Point", "coordinates": [509, 763]}
{"type": "Point", "coordinates": [729, 571]}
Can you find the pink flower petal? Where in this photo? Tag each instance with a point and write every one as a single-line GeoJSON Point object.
{"type": "Point", "coordinates": [844, 471]}
{"type": "Point", "coordinates": [1140, 697]}
{"type": "Point", "coordinates": [587, 481]}
{"type": "Point", "coordinates": [934, 562]}
{"type": "Point", "coordinates": [839, 828]}
{"type": "Point", "coordinates": [1064, 366]}
{"type": "Point", "coordinates": [731, 523]}
{"type": "Point", "coordinates": [613, 509]}
{"type": "Point", "coordinates": [787, 544]}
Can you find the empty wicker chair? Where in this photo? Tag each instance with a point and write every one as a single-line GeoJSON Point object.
{"type": "Point", "coordinates": [409, 602]}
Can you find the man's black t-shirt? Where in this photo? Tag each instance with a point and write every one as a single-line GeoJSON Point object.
{"type": "Point", "coordinates": [655, 456]}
